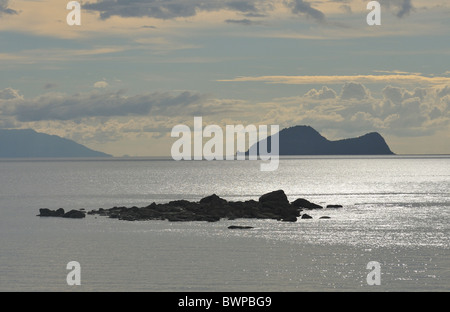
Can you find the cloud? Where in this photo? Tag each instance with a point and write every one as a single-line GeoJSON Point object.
{"type": "Point", "coordinates": [242, 6]}
{"type": "Point", "coordinates": [101, 84]}
{"type": "Point", "coordinates": [50, 86]}
{"type": "Point", "coordinates": [399, 112]}
{"type": "Point", "coordinates": [105, 116]}
{"type": "Point", "coordinates": [166, 9]}
{"type": "Point", "coordinates": [4, 9]}
{"type": "Point", "coordinates": [303, 7]}
{"type": "Point", "coordinates": [352, 90]}
{"type": "Point", "coordinates": [401, 8]}
{"type": "Point", "coordinates": [172, 9]}
{"type": "Point", "coordinates": [405, 8]}
{"type": "Point", "coordinates": [245, 22]}
{"type": "Point", "coordinates": [323, 94]}
{"type": "Point", "coordinates": [305, 80]}
{"type": "Point", "coordinates": [57, 106]}
{"type": "Point", "coordinates": [9, 94]}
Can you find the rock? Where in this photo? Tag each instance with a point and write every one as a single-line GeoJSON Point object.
{"type": "Point", "coordinates": [303, 203]}
{"type": "Point", "coordinates": [306, 216]}
{"type": "Point", "coordinates": [213, 200]}
{"type": "Point", "coordinates": [239, 227]}
{"type": "Point", "coordinates": [74, 214]}
{"type": "Point", "coordinates": [45, 212]}
{"type": "Point", "coordinates": [325, 217]}
{"type": "Point", "coordinates": [275, 196]}
{"type": "Point", "coordinates": [290, 219]}
{"type": "Point", "coordinates": [273, 205]}
{"type": "Point", "coordinates": [334, 206]}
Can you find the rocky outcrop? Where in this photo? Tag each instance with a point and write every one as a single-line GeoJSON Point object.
{"type": "Point", "coordinates": [45, 212]}
{"type": "Point", "coordinates": [72, 214]}
{"type": "Point", "coordinates": [273, 205]}
{"type": "Point", "coordinates": [334, 206]}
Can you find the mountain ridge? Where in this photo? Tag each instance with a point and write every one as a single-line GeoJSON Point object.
{"type": "Point", "coordinates": [305, 140]}
{"type": "Point", "coordinates": [27, 143]}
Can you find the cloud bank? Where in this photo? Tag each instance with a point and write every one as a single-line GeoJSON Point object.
{"type": "Point", "coordinates": [4, 9]}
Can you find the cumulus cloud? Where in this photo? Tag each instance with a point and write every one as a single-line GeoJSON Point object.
{"type": "Point", "coordinates": [352, 90]}
{"type": "Point", "coordinates": [356, 110]}
{"type": "Point", "coordinates": [322, 94]}
{"type": "Point", "coordinates": [4, 9]}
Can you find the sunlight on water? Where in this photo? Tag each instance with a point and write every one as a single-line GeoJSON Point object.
{"type": "Point", "coordinates": [396, 211]}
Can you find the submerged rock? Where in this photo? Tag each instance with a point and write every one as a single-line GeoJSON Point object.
{"type": "Point", "coordinates": [239, 227]}
{"type": "Point", "coordinates": [306, 216]}
{"type": "Point", "coordinates": [334, 206]}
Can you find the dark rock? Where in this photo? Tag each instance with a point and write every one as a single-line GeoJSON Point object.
{"type": "Point", "coordinates": [45, 212]}
{"type": "Point", "coordinates": [325, 217]}
{"type": "Point", "coordinates": [74, 214]}
{"type": "Point", "coordinates": [334, 206]}
{"type": "Point", "coordinates": [303, 203]}
{"type": "Point", "coordinates": [239, 227]}
{"type": "Point", "coordinates": [213, 200]}
{"type": "Point", "coordinates": [275, 196]}
{"type": "Point", "coordinates": [304, 140]}
{"type": "Point", "coordinates": [306, 216]}
{"type": "Point", "coordinates": [273, 205]}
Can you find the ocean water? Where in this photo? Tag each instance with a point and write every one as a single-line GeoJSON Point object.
{"type": "Point", "coordinates": [396, 212]}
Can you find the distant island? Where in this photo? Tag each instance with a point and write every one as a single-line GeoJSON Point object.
{"type": "Point", "coordinates": [304, 140]}
{"type": "Point", "coordinates": [27, 143]}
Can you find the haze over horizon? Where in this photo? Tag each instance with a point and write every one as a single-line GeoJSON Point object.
{"type": "Point", "coordinates": [123, 79]}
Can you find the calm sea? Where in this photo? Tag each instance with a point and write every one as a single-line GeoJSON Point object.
{"type": "Point", "coordinates": [396, 212]}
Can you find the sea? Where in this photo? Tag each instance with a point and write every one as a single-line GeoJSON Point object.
{"type": "Point", "coordinates": [396, 213]}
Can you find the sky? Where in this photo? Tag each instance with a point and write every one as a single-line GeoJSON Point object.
{"type": "Point", "coordinates": [134, 69]}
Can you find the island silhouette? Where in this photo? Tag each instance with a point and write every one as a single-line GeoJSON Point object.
{"type": "Point", "coordinates": [305, 140]}
{"type": "Point", "coordinates": [27, 143]}
{"type": "Point", "coordinates": [297, 140]}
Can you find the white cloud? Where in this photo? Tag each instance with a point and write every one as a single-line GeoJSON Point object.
{"type": "Point", "coordinates": [101, 84]}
